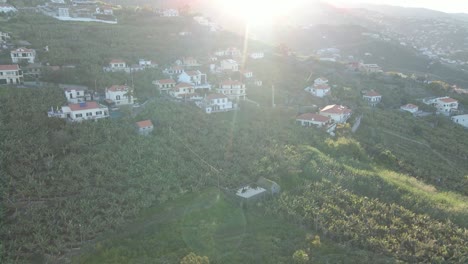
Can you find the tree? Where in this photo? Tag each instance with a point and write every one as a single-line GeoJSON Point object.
{"type": "Point", "coordinates": [192, 258]}
{"type": "Point", "coordinates": [300, 257]}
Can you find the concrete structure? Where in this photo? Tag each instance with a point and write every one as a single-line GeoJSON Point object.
{"type": "Point", "coordinates": [119, 94]}
{"type": "Point", "coordinates": [321, 81]}
{"type": "Point", "coordinates": [310, 119]}
{"type": "Point", "coordinates": [145, 127]}
{"type": "Point", "coordinates": [232, 89]}
{"type": "Point", "coordinates": [216, 103]}
{"type": "Point", "coordinates": [229, 65]}
{"type": "Point", "coordinates": [81, 111]}
{"type": "Point", "coordinates": [247, 74]}
{"type": "Point", "coordinates": [23, 54]}
{"type": "Point", "coordinates": [11, 74]}
{"type": "Point", "coordinates": [461, 120]}
{"type": "Point", "coordinates": [410, 108]}
{"type": "Point", "coordinates": [338, 113]}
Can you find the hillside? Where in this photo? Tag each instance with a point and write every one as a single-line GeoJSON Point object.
{"type": "Point", "coordinates": [96, 192]}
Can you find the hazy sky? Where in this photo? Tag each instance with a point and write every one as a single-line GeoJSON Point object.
{"type": "Point", "coordinates": [450, 6]}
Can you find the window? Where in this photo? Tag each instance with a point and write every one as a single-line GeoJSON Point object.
{"type": "Point", "coordinates": [99, 113]}
{"type": "Point", "coordinates": [79, 115]}
{"type": "Point", "coordinates": [89, 114]}
{"type": "Point", "coordinates": [117, 97]}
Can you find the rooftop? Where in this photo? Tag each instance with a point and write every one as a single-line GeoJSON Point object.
{"type": "Point", "coordinates": [335, 109]}
{"type": "Point", "coordinates": [118, 88]}
{"type": "Point", "coordinates": [84, 106]}
{"type": "Point", "coordinates": [313, 117]}
{"type": "Point", "coordinates": [11, 67]}
{"type": "Point", "coordinates": [144, 123]}
{"type": "Point", "coordinates": [215, 96]}
{"type": "Point", "coordinates": [248, 192]}
{"type": "Point", "coordinates": [372, 93]}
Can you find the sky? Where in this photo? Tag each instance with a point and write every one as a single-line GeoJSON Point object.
{"type": "Point", "coordinates": [449, 6]}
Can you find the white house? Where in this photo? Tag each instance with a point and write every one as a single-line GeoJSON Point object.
{"type": "Point", "coordinates": [198, 79]}
{"type": "Point", "coordinates": [117, 65]}
{"type": "Point", "coordinates": [320, 90]}
{"type": "Point", "coordinates": [257, 55]}
{"type": "Point", "coordinates": [461, 120]}
{"type": "Point", "coordinates": [147, 63]}
{"type": "Point", "coordinates": [247, 74]}
{"type": "Point", "coordinates": [165, 85]}
{"type": "Point", "coordinates": [321, 81]}
{"type": "Point", "coordinates": [75, 95]}
{"type": "Point", "coordinates": [229, 65]}
{"type": "Point", "coordinates": [170, 13]}
{"type": "Point", "coordinates": [372, 97]}
{"type": "Point", "coordinates": [370, 68]}
{"type": "Point", "coordinates": [6, 8]}
{"type": "Point", "coordinates": [184, 91]}
{"type": "Point", "coordinates": [81, 111]}
{"type": "Point", "coordinates": [446, 105]}
{"type": "Point", "coordinates": [63, 12]}
{"type": "Point", "coordinates": [215, 103]}
{"type": "Point", "coordinates": [11, 74]}
{"type": "Point", "coordinates": [337, 113]}
{"type": "Point", "coordinates": [119, 94]}
{"type": "Point", "coordinates": [190, 62]}
{"type": "Point", "coordinates": [4, 36]}
{"type": "Point", "coordinates": [410, 108]}
{"type": "Point", "coordinates": [233, 52]}
{"type": "Point", "coordinates": [232, 89]}
{"type": "Point", "coordinates": [173, 70]}
{"type": "Point", "coordinates": [105, 10]}
{"type": "Point", "coordinates": [23, 54]}
{"type": "Point", "coordinates": [145, 127]}
{"type": "Point", "coordinates": [310, 119]}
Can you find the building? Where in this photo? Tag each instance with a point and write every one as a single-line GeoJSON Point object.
{"type": "Point", "coordinates": [410, 108]}
{"type": "Point", "coordinates": [370, 68]}
{"type": "Point", "coordinates": [6, 8]}
{"type": "Point", "coordinates": [23, 54]}
{"type": "Point", "coordinates": [232, 89]}
{"type": "Point", "coordinates": [461, 120]}
{"type": "Point", "coordinates": [257, 55]}
{"type": "Point", "coordinates": [81, 111]}
{"type": "Point", "coordinates": [310, 119]}
{"type": "Point", "coordinates": [32, 71]}
{"type": "Point", "coordinates": [216, 103]}
{"type": "Point", "coordinates": [321, 81]}
{"type": "Point", "coordinates": [165, 85]}
{"type": "Point", "coordinates": [184, 91]}
{"type": "Point", "coordinates": [4, 37]}
{"type": "Point", "coordinates": [229, 65]}
{"type": "Point", "coordinates": [105, 10]}
{"type": "Point", "coordinates": [372, 97]}
{"type": "Point", "coordinates": [269, 185]}
{"type": "Point", "coordinates": [145, 127]}
{"type": "Point", "coordinates": [76, 95]}
{"type": "Point", "coordinates": [247, 74]}
{"type": "Point", "coordinates": [119, 95]}
{"type": "Point", "coordinates": [446, 105]}
{"type": "Point", "coordinates": [147, 63]}
{"type": "Point", "coordinates": [189, 62]}
{"type": "Point", "coordinates": [198, 79]}
{"type": "Point", "coordinates": [169, 13]}
{"type": "Point", "coordinates": [117, 65]}
{"type": "Point", "coordinates": [338, 113]}
{"type": "Point", "coordinates": [173, 70]}
{"type": "Point", "coordinates": [63, 12]}
{"type": "Point", "coordinates": [11, 74]}
{"type": "Point", "coordinates": [321, 90]}
{"type": "Point", "coordinates": [248, 193]}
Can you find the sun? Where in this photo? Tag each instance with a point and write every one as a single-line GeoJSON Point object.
{"type": "Point", "coordinates": [258, 12]}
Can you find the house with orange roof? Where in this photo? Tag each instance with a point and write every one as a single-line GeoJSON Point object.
{"type": "Point", "coordinates": [310, 119]}
{"type": "Point", "coordinates": [80, 111]}
{"type": "Point", "coordinates": [144, 127]}
{"type": "Point", "coordinates": [338, 113]}
{"type": "Point", "coordinates": [23, 54]}
{"type": "Point", "coordinates": [164, 85]}
{"type": "Point", "coordinates": [444, 105]}
{"type": "Point", "coordinates": [198, 79]}
{"type": "Point", "coordinates": [11, 74]}
{"type": "Point", "coordinates": [173, 70]}
{"type": "Point", "coordinates": [372, 97]}
{"type": "Point", "coordinates": [232, 89]}
{"type": "Point", "coordinates": [410, 108]}
{"type": "Point", "coordinates": [119, 95]}
{"type": "Point", "coordinates": [184, 91]}
{"type": "Point", "coordinates": [217, 102]}
{"type": "Point", "coordinates": [319, 90]}
{"type": "Point", "coordinates": [117, 65]}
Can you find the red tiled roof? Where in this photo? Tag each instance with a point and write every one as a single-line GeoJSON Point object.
{"type": "Point", "coordinates": [336, 109]}
{"type": "Point", "coordinates": [372, 93]}
{"type": "Point", "coordinates": [192, 73]}
{"type": "Point", "coordinates": [314, 117]}
{"type": "Point", "coordinates": [231, 82]}
{"type": "Point", "coordinates": [84, 106]}
{"type": "Point", "coordinates": [410, 106]}
{"type": "Point", "coordinates": [183, 85]}
{"type": "Point", "coordinates": [322, 87]}
{"type": "Point", "coordinates": [448, 100]}
{"type": "Point", "coordinates": [11, 67]}
{"type": "Point", "coordinates": [215, 96]}
{"type": "Point", "coordinates": [166, 81]}
{"type": "Point", "coordinates": [118, 88]}
{"type": "Point", "coordinates": [144, 123]}
{"type": "Point", "coordinates": [117, 61]}
{"type": "Point", "coordinates": [22, 50]}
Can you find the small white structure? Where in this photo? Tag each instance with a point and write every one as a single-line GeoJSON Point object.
{"type": "Point", "coordinates": [145, 127]}
{"type": "Point", "coordinates": [248, 192]}
{"type": "Point", "coordinates": [370, 68]}
{"type": "Point", "coordinates": [247, 74]}
{"type": "Point", "coordinates": [11, 74]}
{"type": "Point", "coordinates": [147, 63]}
{"type": "Point", "coordinates": [173, 70]}
{"type": "Point", "coordinates": [410, 108]}
{"type": "Point", "coordinates": [117, 65]}
{"type": "Point", "coordinates": [190, 62]}
{"type": "Point", "coordinates": [229, 65]}
{"type": "Point", "coordinates": [165, 85]}
{"type": "Point", "coordinates": [310, 119]}
{"type": "Point", "coordinates": [119, 94]}
{"type": "Point", "coordinates": [170, 13]}
{"type": "Point", "coordinates": [337, 113]}
{"type": "Point", "coordinates": [6, 8]}
{"type": "Point", "coordinates": [461, 120]}
{"type": "Point", "coordinates": [105, 10]}
{"type": "Point", "coordinates": [81, 111]}
{"type": "Point", "coordinates": [372, 97]}
{"type": "Point", "coordinates": [257, 55]}
{"type": "Point", "coordinates": [232, 89]}
{"type": "Point", "coordinates": [321, 81]}
{"type": "Point", "coordinates": [4, 37]}
{"type": "Point", "coordinates": [184, 91]}
{"type": "Point", "coordinates": [320, 90]}
{"type": "Point", "coordinates": [215, 103]}
{"type": "Point", "coordinates": [63, 12]}
{"type": "Point", "coordinates": [198, 79]}
{"type": "Point", "coordinates": [75, 95]}
{"type": "Point", "coordinates": [23, 54]}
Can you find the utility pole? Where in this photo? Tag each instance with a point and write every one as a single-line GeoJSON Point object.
{"type": "Point", "coordinates": [273, 96]}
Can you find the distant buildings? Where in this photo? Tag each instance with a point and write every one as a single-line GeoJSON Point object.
{"type": "Point", "coordinates": [257, 55]}
{"type": "Point", "coordinates": [338, 113]}
{"type": "Point", "coordinates": [229, 65]}
{"type": "Point", "coordinates": [216, 103]}
{"type": "Point", "coordinates": [11, 74]}
{"type": "Point", "coordinates": [165, 85]}
{"type": "Point", "coordinates": [198, 79]}
{"type": "Point", "coordinates": [461, 120]}
{"type": "Point", "coordinates": [169, 12]}
{"type": "Point", "coordinates": [23, 55]}
{"type": "Point", "coordinates": [232, 89]}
